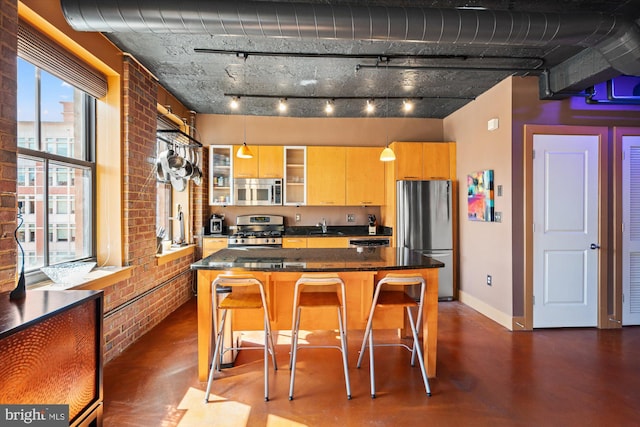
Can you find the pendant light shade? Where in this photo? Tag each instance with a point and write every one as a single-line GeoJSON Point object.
{"type": "Point", "coordinates": [244, 152]}
{"type": "Point", "coordinates": [387, 155]}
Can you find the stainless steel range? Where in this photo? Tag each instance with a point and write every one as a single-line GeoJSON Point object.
{"type": "Point", "coordinates": [257, 230]}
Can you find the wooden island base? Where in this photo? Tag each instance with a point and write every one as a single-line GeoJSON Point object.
{"type": "Point", "coordinates": [279, 288]}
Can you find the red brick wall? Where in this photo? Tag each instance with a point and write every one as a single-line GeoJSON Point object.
{"type": "Point", "coordinates": [8, 108]}
{"type": "Point", "coordinates": [134, 306]}
{"type": "Point", "coordinates": [125, 323]}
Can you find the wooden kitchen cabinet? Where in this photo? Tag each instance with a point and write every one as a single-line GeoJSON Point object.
{"type": "Point", "coordinates": [436, 160]}
{"type": "Point", "coordinates": [270, 161]}
{"type": "Point", "coordinates": [408, 163]}
{"type": "Point", "coordinates": [245, 168]}
{"type": "Point", "coordinates": [267, 162]}
{"type": "Point", "coordinates": [294, 242]}
{"type": "Point", "coordinates": [212, 244]}
{"type": "Point", "coordinates": [424, 160]}
{"type": "Point", "coordinates": [326, 176]}
{"type": "Point", "coordinates": [328, 242]}
{"type": "Point", "coordinates": [364, 176]}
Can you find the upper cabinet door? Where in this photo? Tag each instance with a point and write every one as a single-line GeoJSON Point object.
{"type": "Point", "coordinates": [326, 176]}
{"type": "Point", "coordinates": [270, 161]}
{"type": "Point", "coordinates": [364, 176]}
{"type": "Point", "coordinates": [295, 176]}
{"type": "Point", "coordinates": [408, 163]}
{"type": "Point", "coordinates": [436, 160]}
{"type": "Point", "coordinates": [245, 168]}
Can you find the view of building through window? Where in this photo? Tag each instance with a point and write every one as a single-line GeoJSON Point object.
{"type": "Point", "coordinates": [55, 173]}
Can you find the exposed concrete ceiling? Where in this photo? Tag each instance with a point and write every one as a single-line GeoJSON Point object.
{"type": "Point", "coordinates": [441, 53]}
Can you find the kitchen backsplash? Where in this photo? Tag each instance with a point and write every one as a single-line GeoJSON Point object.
{"type": "Point", "coordinates": [309, 215]}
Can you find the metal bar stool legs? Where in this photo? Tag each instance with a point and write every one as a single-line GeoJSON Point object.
{"type": "Point", "coordinates": [310, 299]}
{"type": "Point", "coordinates": [237, 301]}
{"type": "Point", "coordinates": [396, 299]}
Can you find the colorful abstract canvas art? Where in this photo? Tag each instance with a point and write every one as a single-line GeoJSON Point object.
{"type": "Point", "coordinates": [480, 195]}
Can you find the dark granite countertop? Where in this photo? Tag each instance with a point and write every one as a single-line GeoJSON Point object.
{"type": "Point", "coordinates": [336, 231]}
{"type": "Point", "coordinates": [324, 259]}
{"type": "Point", "coordinates": [38, 306]}
{"type": "Point", "coordinates": [332, 231]}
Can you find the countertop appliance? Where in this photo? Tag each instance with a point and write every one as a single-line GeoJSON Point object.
{"type": "Point", "coordinates": [216, 223]}
{"type": "Point", "coordinates": [257, 230]}
{"type": "Point", "coordinates": [257, 191]}
{"type": "Point", "coordinates": [424, 222]}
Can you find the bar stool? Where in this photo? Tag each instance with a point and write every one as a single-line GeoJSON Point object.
{"type": "Point", "coordinates": [314, 299]}
{"type": "Point", "coordinates": [239, 301]}
{"type": "Point", "coordinates": [396, 298]}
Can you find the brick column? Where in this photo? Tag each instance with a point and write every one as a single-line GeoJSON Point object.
{"type": "Point", "coordinates": [8, 158]}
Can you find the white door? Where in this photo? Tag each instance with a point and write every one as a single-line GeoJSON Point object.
{"type": "Point", "coordinates": [565, 214]}
{"type": "Point", "coordinates": [631, 230]}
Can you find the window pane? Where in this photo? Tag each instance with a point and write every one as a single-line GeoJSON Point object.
{"type": "Point", "coordinates": [163, 210]}
{"type": "Point", "coordinates": [31, 194]}
{"type": "Point", "coordinates": [62, 118]}
{"type": "Point", "coordinates": [69, 186]}
{"type": "Point", "coordinates": [26, 104]}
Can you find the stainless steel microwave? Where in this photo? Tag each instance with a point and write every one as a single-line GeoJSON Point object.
{"type": "Point", "coordinates": [257, 191]}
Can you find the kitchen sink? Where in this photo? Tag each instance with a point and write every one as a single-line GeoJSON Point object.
{"type": "Point", "coordinates": [328, 233]}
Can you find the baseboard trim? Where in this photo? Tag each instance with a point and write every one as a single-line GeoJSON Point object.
{"type": "Point", "coordinates": [486, 310]}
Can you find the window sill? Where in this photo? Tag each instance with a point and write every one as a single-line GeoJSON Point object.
{"type": "Point", "coordinates": [174, 254]}
{"type": "Point", "coordinates": [99, 278]}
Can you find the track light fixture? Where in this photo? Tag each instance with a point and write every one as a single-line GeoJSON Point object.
{"type": "Point", "coordinates": [328, 108]}
{"type": "Point", "coordinates": [329, 103]}
{"type": "Point", "coordinates": [282, 105]}
{"type": "Point", "coordinates": [371, 107]}
{"type": "Point", "coordinates": [235, 103]}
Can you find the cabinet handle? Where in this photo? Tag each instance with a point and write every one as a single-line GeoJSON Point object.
{"type": "Point", "coordinates": [366, 202]}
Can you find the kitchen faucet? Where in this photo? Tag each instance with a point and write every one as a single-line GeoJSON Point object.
{"type": "Point", "coordinates": [322, 224]}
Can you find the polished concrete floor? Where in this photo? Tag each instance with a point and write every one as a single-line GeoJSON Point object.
{"type": "Point", "coordinates": [487, 376]}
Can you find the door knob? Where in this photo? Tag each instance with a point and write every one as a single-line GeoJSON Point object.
{"type": "Point", "coordinates": [594, 246]}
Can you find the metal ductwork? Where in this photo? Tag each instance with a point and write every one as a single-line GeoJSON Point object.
{"type": "Point", "coordinates": [616, 39]}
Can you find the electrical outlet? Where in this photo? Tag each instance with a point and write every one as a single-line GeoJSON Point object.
{"type": "Point", "coordinates": [497, 217]}
{"type": "Point", "coordinates": [351, 218]}
{"type": "Point", "coordinates": [298, 217]}
{"type": "Point", "coordinates": [488, 280]}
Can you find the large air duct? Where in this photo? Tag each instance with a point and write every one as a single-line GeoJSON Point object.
{"type": "Point", "coordinates": [616, 39]}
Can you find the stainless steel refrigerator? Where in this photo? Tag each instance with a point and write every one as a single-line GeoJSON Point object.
{"type": "Point", "coordinates": [424, 222]}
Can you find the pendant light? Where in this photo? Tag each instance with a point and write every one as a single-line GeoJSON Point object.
{"type": "Point", "coordinates": [244, 152]}
{"type": "Point", "coordinates": [387, 155]}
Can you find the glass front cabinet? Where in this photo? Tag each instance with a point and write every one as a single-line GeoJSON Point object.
{"type": "Point", "coordinates": [220, 175]}
{"type": "Point", "coordinates": [295, 176]}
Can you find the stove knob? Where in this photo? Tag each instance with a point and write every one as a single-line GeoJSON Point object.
{"type": "Point", "coordinates": [273, 240]}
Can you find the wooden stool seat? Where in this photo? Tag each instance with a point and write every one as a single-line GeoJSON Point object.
{"type": "Point", "coordinates": [233, 301]}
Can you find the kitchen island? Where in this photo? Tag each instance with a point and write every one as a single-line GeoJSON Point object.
{"type": "Point", "coordinates": [279, 269]}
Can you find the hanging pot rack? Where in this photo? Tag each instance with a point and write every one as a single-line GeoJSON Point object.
{"type": "Point", "coordinates": [173, 167]}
